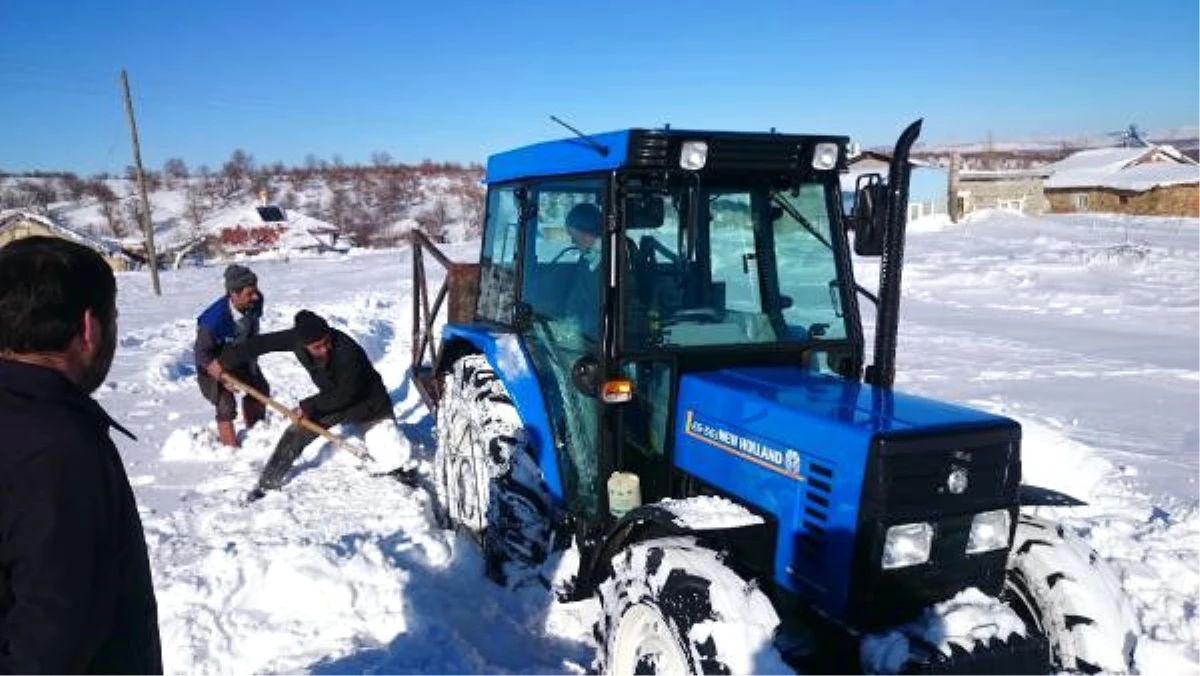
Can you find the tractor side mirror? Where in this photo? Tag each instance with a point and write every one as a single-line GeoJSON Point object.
{"type": "Point", "coordinates": [585, 375]}
{"type": "Point", "coordinates": [869, 216]}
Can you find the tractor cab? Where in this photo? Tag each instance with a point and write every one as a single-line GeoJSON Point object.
{"type": "Point", "coordinates": [628, 258]}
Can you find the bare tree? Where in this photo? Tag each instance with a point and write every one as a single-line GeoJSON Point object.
{"type": "Point", "coordinates": [110, 208]}
{"type": "Point", "coordinates": [360, 225]}
{"type": "Point", "coordinates": [196, 206]}
{"type": "Point", "coordinates": [338, 211]}
{"type": "Point", "coordinates": [174, 168]}
{"type": "Point", "coordinates": [35, 194]}
{"type": "Point", "coordinates": [474, 205]}
{"type": "Point", "coordinates": [74, 187]}
{"type": "Point", "coordinates": [381, 159]}
{"type": "Point", "coordinates": [288, 200]}
{"type": "Point", "coordinates": [433, 221]}
{"type": "Point", "coordinates": [236, 172]}
{"type": "Point", "coordinates": [131, 221]}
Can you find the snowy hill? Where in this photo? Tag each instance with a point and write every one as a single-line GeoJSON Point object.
{"type": "Point", "coordinates": [1082, 328]}
{"type": "Point", "coordinates": [368, 205]}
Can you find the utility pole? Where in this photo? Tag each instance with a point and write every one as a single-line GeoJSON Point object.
{"type": "Point", "coordinates": [147, 222]}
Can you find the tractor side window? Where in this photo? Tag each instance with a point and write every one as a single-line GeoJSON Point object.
{"type": "Point", "coordinates": [808, 277]}
{"type": "Point", "coordinates": [561, 282]}
{"type": "Point", "coordinates": [498, 260]}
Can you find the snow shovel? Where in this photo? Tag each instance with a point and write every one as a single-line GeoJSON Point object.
{"type": "Point", "coordinates": [345, 444]}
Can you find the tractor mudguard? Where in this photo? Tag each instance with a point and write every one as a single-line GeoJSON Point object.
{"type": "Point", "coordinates": [1036, 496]}
{"type": "Point", "coordinates": [508, 358]}
{"type": "Point", "coordinates": [688, 516]}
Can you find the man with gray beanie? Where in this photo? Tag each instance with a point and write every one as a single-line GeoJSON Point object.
{"type": "Point", "coordinates": [230, 320]}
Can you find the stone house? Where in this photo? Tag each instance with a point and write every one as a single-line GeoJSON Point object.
{"type": "Point", "coordinates": [1019, 190]}
{"type": "Point", "coordinates": [1149, 180]}
{"type": "Point", "coordinates": [18, 224]}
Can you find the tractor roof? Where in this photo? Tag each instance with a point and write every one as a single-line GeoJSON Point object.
{"type": "Point", "coordinates": [658, 149]}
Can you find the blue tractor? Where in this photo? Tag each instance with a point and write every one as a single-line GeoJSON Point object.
{"type": "Point", "coordinates": [659, 365]}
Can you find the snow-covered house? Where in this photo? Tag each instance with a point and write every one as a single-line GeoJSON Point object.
{"type": "Point", "coordinates": [926, 184]}
{"type": "Point", "coordinates": [259, 228]}
{"type": "Point", "coordinates": [18, 224]}
{"type": "Point", "coordinates": [1151, 180]}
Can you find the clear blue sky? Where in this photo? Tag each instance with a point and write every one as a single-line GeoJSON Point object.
{"type": "Point", "coordinates": [459, 80]}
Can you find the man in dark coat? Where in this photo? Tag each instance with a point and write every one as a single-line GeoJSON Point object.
{"type": "Point", "coordinates": [349, 389]}
{"type": "Point", "coordinates": [75, 587]}
{"type": "Point", "coordinates": [229, 320]}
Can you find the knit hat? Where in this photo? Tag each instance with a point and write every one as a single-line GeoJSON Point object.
{"type": "Point", "coordinates": [309, 327]}
{"type": "Point", "coordinates": [239, 277]}
{"type": "Point", "coordinates": [585, 217]}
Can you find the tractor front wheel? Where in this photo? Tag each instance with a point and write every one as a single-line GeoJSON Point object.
{"type": "Point", "coordinates": [1061, 586]}
{"type": "Point", "coordinates": [672, 606]}
{"type": "Point", "coordinates": [486, 478]}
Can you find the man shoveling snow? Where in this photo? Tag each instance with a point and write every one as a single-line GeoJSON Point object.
{"type": "Point", "coordinates": [350, 390]}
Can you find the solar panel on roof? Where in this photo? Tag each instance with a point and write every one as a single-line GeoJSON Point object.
{"type": "Point", "coordinates": [271, 214]}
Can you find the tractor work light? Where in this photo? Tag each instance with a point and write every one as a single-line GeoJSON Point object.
{"type": "Point", "coordinates": [616, 391]}
{"type": "Point", "coordinates": [989, 531]}
{"type": "Point", "coordinates": [825, 156]}
{"type": "Point", "coordinates": [693, 155]}
{"type": "Point", "coordinates": [906, 545]}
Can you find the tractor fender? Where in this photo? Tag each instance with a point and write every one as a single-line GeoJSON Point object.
{"type": "Point", "coordinates": [708, 516]}
{"type": "Point", "coordinates": [506, 353]}
{"type": "Point", "coordinates": [1036, 496]}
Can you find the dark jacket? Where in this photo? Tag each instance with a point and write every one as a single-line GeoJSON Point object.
{"type": "Point", "coordinates": [216, 328]}
{"type": "Point", "coordinates": [75, 587]}
{"type": "Point", "coordinates": [346, 383]}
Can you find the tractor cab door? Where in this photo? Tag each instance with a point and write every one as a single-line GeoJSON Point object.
{"type": "Point", "coordinates": [561, 286]}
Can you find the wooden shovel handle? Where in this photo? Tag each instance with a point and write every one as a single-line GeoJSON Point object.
{"type": "Point", "coordinates": [309, 425]}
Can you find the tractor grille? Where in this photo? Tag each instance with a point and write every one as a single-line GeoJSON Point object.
{"type": "Point", "coordinates": [907, 482]}
{"type": "Point", "coordinates": [907, 477]}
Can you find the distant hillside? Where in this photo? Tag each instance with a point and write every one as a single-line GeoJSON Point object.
{"type": "Point", "coordinates": [370, 205]}
{"type": "Point", "coordinates": [1035, 152]}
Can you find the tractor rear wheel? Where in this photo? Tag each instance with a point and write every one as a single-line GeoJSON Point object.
{"type": "Point", "coordinates": [1061, 586]}
{"type": "Point", "coordinates": [672, 606]}
{"type": "Point", "coordinates": [486, 478]}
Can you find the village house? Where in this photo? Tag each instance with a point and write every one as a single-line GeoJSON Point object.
{"type": "Point", "coordinates": [1148, 180]}
{"type": "Point", "coordinates": [18, 224]}
{"type": "Point", "coordinates": [267, 227]}
{"type": "Point", "coordinates": [1018, 190]}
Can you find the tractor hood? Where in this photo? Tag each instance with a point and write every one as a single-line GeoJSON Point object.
{"type": "Point", "coordinates": [771, 418]}
{"type": "Point", "coordinates": [797, 445]}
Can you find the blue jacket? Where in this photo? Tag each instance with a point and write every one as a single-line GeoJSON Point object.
{"type": "Point", "coordinates": [215, 328]}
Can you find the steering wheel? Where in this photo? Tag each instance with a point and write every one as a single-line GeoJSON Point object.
{"type": "Point", "coordinates": [578, 251]}
{"type": "Point", "coordinates": [699, 315]}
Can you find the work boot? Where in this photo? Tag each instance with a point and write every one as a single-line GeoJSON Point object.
{"type": "Point", "coordinates": [252, 411]}
{"type": "Point", "coordinates": [227, 434]}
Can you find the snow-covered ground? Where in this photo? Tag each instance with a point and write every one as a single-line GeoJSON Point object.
{"type": "Point", "coordinates": [1083, 328]}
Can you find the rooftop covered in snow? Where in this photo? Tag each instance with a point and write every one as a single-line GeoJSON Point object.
{"type": "Point", "coordinates": [1136, 169]}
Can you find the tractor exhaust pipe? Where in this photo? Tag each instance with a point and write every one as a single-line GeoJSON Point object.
{"type": "Point", "coordinates": [882, 373]}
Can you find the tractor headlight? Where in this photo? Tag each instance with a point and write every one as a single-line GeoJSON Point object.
{"type": "Point", "coordinates": [825, 156]}
{"type": "Point", "coordinates": [907, 545]}
{"type": "Point", "coordinates": [989, 531]}
{"type": "Point", "coordinates": [693, 155]}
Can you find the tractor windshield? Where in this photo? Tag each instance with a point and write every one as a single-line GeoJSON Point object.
{"type": "Point", "coordinates": [758, 267]}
